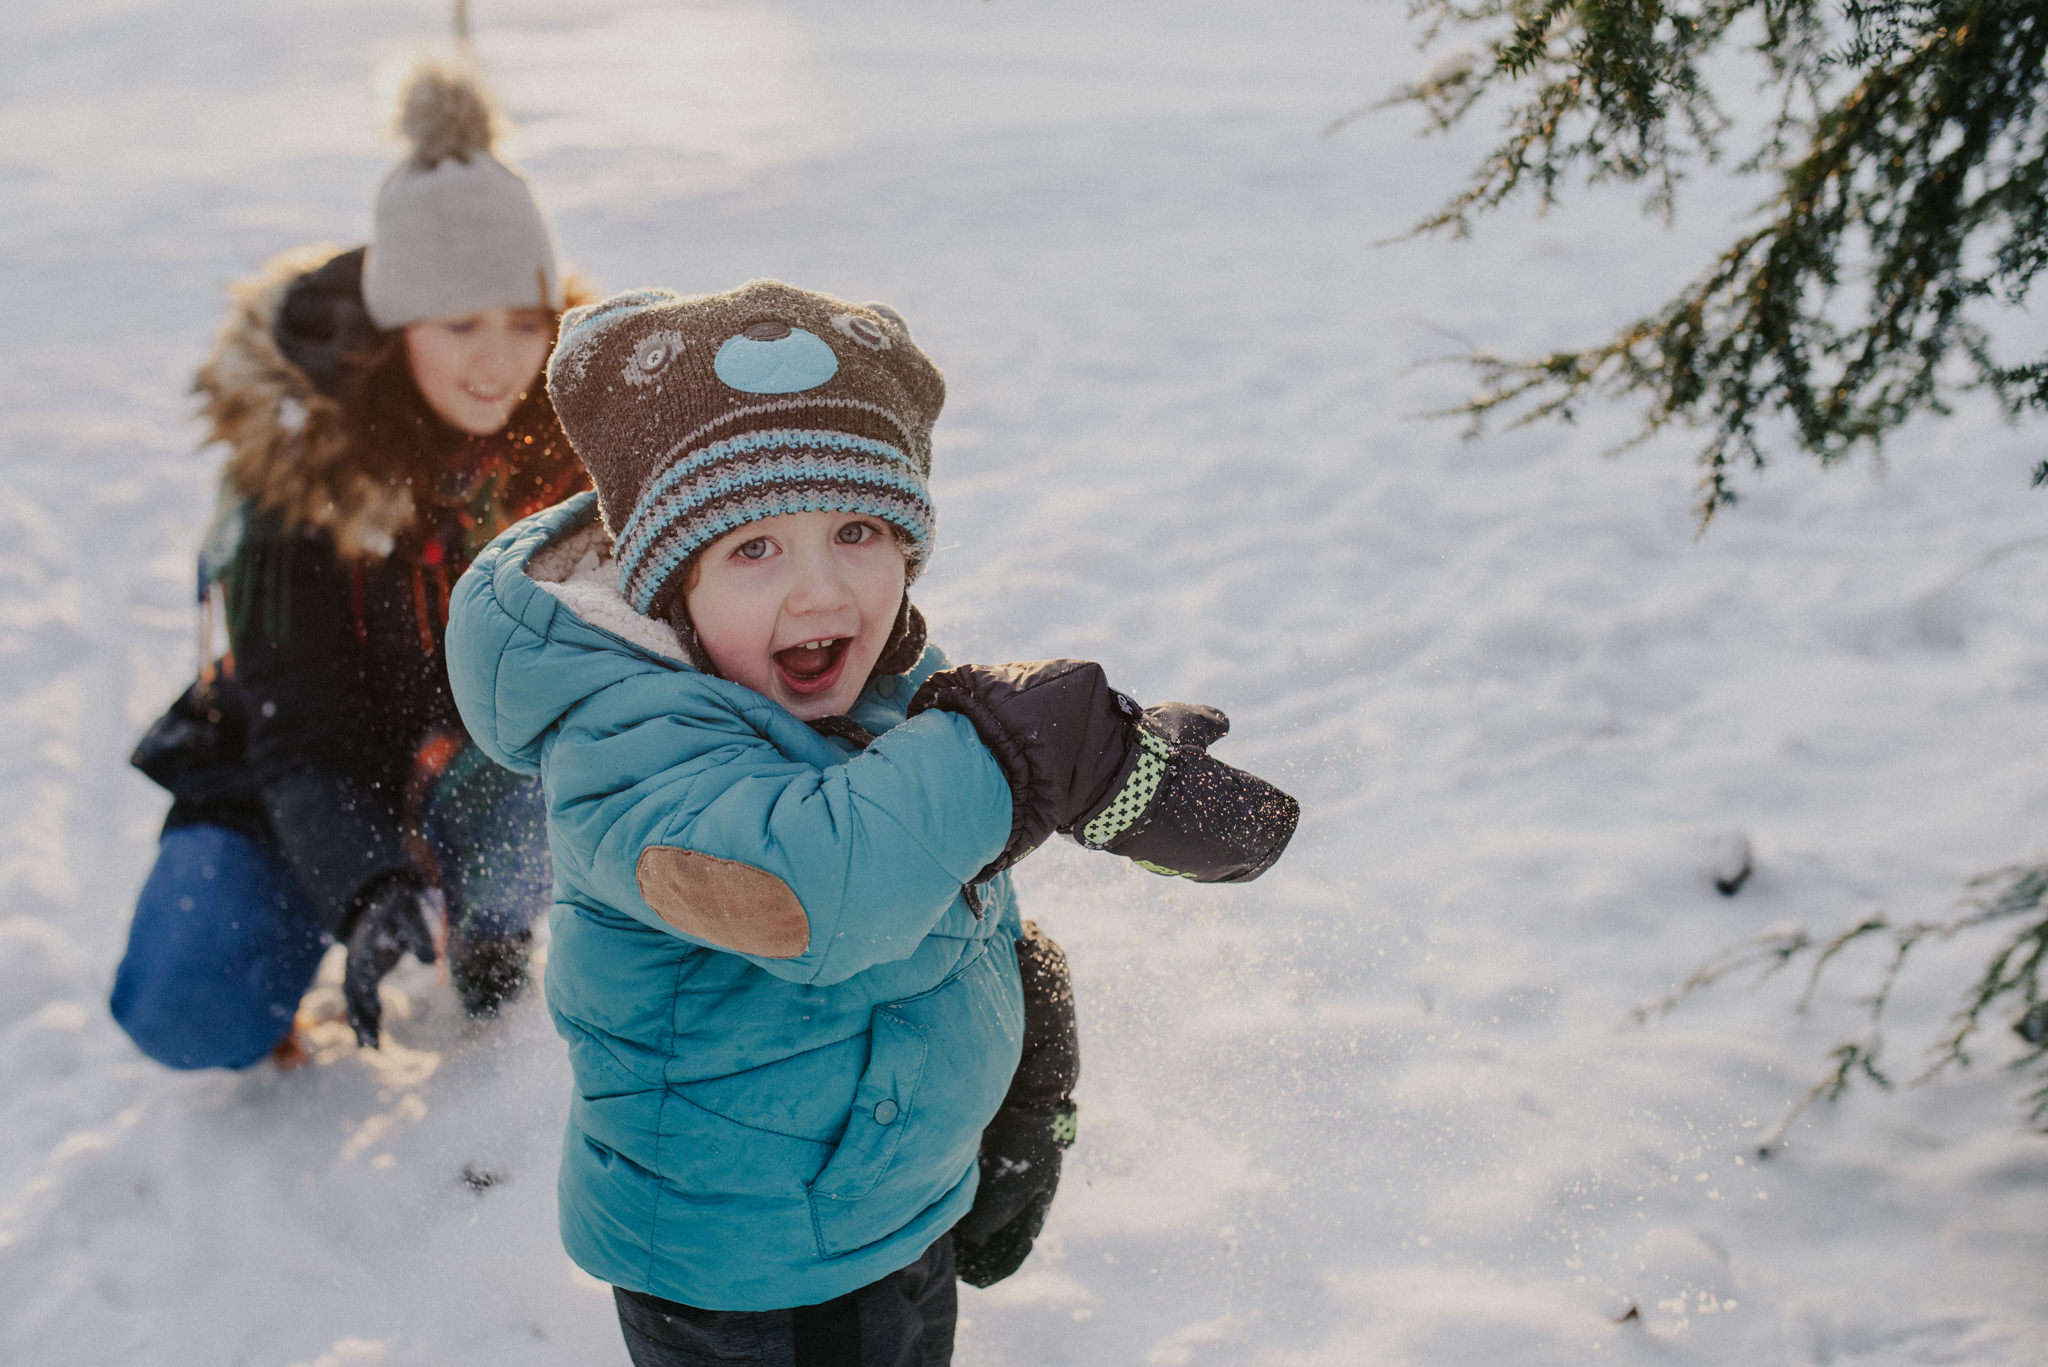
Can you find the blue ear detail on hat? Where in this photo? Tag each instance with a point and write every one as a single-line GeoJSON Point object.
{"type": "Point", "coordinates": [787, 364]}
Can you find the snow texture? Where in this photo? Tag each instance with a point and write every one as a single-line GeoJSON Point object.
{"type": "Point", "coordinates": [1383, 1106]}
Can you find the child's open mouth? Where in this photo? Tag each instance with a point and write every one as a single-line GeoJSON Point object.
{"type": "Point", "coordinates": [813, 666]}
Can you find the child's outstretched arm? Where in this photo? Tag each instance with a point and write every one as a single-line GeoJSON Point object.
{"type": "Point", "coordinates": [1084, 760]}
{"type": "Point", "coordinates": [701, 826]}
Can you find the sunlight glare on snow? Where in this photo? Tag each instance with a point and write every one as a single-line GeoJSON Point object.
{"type": "Point", "coordinates": [214, 138]}
{"type": "Point", "coordinates": [657, 93]}
{"type": "Point", "coordinates": [352, 1352]}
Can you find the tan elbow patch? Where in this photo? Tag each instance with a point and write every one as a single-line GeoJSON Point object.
{"type": "Point", "coordinates": [732, 905]}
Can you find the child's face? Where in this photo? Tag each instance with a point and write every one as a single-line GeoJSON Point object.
{"type": "Point", "coordinates": [798, 607]}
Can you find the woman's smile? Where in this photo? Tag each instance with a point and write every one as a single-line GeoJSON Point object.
{"type": "Point", "coordinates": [473, 371]}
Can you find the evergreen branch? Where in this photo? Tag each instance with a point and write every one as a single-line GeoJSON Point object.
{"type": "Point", "coordinates": [2037, 1107]}
{"type": "Point", "coordinates": [1929, 169]}
{"type": "Point", "coordinates": [2013, 976]}
{"type": "Point", "coordinates": [1869, 925]}
{"type": "Point", "coordinates": [2022, 888]}
{"type": "Point", "coordinates": [1773, 949]}
{"type": "Point", "coordinates": [2013, 971]}
{"type": "Point", "coordinates": [1903, 942]}
{"type": "Point", "coordinates": [1851, 1057]}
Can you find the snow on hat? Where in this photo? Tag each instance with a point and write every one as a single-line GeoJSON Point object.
{"type": "Point", "coordinates": [699, 414]}
{"type": "Point", "coordinates": [457, 231]}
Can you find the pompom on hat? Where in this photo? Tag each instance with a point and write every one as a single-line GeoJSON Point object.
{"type": "Point", "coordinates": [457, 231]}
{"type": "Point", "coordinates": [699, 414]}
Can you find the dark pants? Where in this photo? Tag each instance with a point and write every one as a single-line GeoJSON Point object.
{"type": "Point", "coordinates": [903, 1320]}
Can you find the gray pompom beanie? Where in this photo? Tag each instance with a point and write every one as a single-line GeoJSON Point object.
{"type": "Point", "coordinates": [457, 231]}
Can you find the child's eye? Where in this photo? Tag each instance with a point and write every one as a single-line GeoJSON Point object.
{"type": "Point", "coordinates": [757, 549]}
{"type": "Point", "coordinates": [854, 533]}
{"type": "Point", "coordinates": [461, 327]}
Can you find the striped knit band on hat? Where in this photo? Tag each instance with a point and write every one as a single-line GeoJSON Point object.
{"type": "Point", "coordinates": [724, 485]}
{"type": "Point", "coordinates": [699, 415]}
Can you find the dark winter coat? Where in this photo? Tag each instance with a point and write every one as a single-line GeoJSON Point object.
{"type": "Point", "coordinates": [337, 579]}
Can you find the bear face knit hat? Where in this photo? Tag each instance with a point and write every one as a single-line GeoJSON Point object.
{"type": "Point", "coordinates": [457, 231]}
{"type": "Point", "coordinates": [699, 414]}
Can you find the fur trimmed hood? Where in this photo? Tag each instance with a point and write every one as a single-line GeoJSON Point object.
{"type": "Point", "coordinates": [288, 448]}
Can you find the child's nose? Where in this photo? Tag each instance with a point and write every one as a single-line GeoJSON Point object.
{"type": "Point", "coordinates": [819, 586]}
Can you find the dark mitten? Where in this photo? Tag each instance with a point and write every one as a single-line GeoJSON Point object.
{"type": "Point", "coordinates": [1084, 759]}
{"type": "Point", "coordinates": [1021, 1148]}
{"type": "Point", "coordinates": [1180, 811]}
{"type": "Point", "coordinates": [1061, 733]}
{"type": "Point", "coordinates": [1020, 1171]}
{"type": "Point", "coordinates": [391, 921]}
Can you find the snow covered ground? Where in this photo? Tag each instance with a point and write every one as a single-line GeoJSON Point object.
{"type": "Point", "coordinates": [1382, 1107]}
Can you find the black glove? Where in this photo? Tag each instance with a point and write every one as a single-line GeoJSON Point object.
{"type": "Point", "coordinates": [1020, 1171]}
{"type": "Point", "coordinates": [1177, 810]}
{"type": "Point", "coordinates": [391, 920]}
{"type": "Point", "coordinates": [1021, 1148]}
{"type": "Point", "coordinates": [1084, 759]}
{"type": "Point", "coordinates": [1061, 733]}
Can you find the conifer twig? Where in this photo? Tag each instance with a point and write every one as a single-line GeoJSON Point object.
{"type": "Point", "coordinates": [1773, 948]}
{"type": "Point", "coordinates": [1906, 160]}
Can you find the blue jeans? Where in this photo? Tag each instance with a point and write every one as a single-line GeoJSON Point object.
{"type": "Point", "coordinates": [904, 1320]}
{"type": "Point", "coordinates": [222, 947]}
{"type": "Point", "coordinates": [224, 943]}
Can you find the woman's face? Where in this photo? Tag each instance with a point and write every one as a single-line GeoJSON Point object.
{"type": "Point", "coordinates": [474, 371]}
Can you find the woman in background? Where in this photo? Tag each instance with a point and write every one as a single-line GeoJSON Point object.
{"type": "Point", "coordinates": [384, 418]}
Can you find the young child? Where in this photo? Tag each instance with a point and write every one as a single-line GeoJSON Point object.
{"type": "Point", "coordinates": [785, 953]}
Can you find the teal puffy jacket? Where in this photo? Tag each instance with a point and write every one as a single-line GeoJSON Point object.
{"type": "Point", "coordinates": [787, 1023]}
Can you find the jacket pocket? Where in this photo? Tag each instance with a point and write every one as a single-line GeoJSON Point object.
{"type": "Point", "coordinates": [883, 1110]}
{"type": "Point", "coordinates": [938, 1065]}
